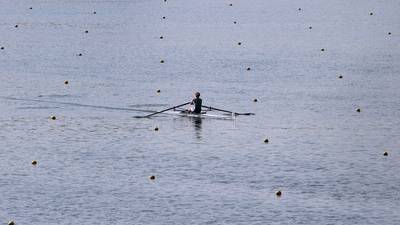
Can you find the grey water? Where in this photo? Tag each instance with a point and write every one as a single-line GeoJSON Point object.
{"type": "Point", "coordinates": [95, 159]}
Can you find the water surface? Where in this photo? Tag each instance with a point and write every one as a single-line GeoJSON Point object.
{"type": "Point", "coordinates": [94, 160]}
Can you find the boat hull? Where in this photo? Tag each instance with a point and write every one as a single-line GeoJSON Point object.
{"type": "Point", "coordinates": [201, 115]}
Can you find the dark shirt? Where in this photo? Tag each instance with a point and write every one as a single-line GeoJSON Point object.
{"type": "Point", "coordinates": [197, 105]}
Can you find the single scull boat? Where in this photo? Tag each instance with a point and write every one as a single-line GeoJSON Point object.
{"type": "Point", "coordinates": [175, 110]}
{"type": "Point", "coordinates": [203, 114]}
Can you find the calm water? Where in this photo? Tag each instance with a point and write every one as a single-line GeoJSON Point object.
{"type": "Point", "coordinates": [95, 160]}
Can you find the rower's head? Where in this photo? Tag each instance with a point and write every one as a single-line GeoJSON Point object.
{"type": "Point", "coordinates": [197, 94]}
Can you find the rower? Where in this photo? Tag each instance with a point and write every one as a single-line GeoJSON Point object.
{"type": "Point", "coordinates": [197, 102]}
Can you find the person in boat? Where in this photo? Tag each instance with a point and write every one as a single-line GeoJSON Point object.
{"type": "Point", "coordinates": [197, 103]}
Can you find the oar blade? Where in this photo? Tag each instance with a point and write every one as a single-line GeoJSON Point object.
{"type": "Point", "coordinates": [245, 114]}
{"type": "Point", "coordinates": [140, 117]}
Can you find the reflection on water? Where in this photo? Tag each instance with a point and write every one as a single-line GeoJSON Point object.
{"type": "Point", "coordinates": [197, 126]}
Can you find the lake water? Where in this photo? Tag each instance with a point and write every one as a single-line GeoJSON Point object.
{"type": "Point", "coordinates": [95, 159]}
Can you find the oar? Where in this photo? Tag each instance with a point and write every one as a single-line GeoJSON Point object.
{"type": "Point", "coordinates": [222, 110]}
{"type": "Point", "coordinates": [187, 103]}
